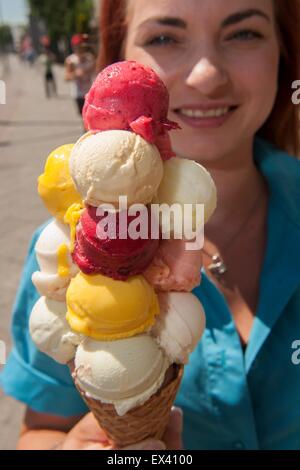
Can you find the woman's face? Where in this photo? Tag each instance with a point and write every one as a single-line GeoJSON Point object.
{"type": "Point", "coordinates": [219, 60]}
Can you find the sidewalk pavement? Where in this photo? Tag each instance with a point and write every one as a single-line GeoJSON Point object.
{"type": "Point", "coordinates": [30, 128]}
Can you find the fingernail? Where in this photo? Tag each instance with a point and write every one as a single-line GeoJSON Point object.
{"type": "Point", "coordinates": [155, 445]}
{"type": "Point", "coordinates": [177, 419]}
{"type": "Point", "coordinates": [177, 410]}
{"type": "Point", "coordinates": [177, 415]}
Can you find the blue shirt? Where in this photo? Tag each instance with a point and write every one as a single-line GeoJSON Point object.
{"type": "Point", "coordinates": [230, 400]}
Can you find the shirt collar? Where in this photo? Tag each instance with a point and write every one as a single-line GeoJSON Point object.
{"type": "Point", "coordinates": [282, 173]}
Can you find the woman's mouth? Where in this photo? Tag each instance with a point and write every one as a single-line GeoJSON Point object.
{"type": "Point", "coordinates": [205, 118]}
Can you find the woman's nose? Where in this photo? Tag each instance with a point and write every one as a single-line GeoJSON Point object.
{"type": "Point", "coordinates": [207, 77]}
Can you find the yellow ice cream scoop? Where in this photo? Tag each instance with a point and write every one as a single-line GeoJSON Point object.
{"type": "Point", "coordinates": [55, 185]}
{"type": "Point", "coordinates": [105, 309]}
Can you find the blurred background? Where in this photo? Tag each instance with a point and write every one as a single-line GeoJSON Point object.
{"type": "Point", "coordinates": [39, 110]}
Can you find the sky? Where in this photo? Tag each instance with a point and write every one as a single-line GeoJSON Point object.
{"type": "Point", "coordinates": [13, 11]}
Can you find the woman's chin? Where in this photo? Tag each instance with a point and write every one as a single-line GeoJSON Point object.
{"type": "Point", "coordinates": [206, 153]}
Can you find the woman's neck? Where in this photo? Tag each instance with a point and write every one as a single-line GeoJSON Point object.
{"type": "Point", "coordinates": [239, 184]}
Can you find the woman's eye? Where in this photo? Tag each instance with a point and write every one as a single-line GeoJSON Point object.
{"type": "Point", "coordinates": [161, 40]}
{"type": "Point", "coordinates": [245, 35]}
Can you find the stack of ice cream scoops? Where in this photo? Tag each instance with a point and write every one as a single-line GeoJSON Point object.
{"type": "Point", "coordinates": [119, 310]}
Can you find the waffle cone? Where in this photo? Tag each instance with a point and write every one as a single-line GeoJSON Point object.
{"type": "Point", "coordinates": [146, 421]}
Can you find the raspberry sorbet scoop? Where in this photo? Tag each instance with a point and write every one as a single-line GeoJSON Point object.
{"type": "Point", "coordinates": [95, 252]}
{"type": "Point", "coordinates": [130, 96]}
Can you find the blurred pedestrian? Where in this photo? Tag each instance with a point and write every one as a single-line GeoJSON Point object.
{"type": "Point", "coordinates": [27, 50]}
{"type": "Point", "coordinates": [47, 60]}
{"type": "Point", "coordinates": [80, 68]}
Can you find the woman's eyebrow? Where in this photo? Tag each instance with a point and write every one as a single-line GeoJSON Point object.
{"type": "Point", "coordinates": [243, 15]}
{"type": "Point", "coordinates": [230, 20]}
{"type": "Point", "coordinates": [167, 21]}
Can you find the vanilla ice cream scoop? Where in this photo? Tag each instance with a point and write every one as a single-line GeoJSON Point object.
{"type": "Point", "coordinates": [108, 164]}
{"type": "Point", "coordinates": [187, 182]}
{"type": "Point", "coordinates": [180, 324]}
{"type": "Point", "coordinates": [124, 372]}
{"type": "Point", "coordinates": [55, 262]}
{"type": "Point", "coordinates": [50, 331]}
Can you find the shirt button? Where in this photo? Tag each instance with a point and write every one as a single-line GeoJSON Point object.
{"type": "Point", "coordinates": [239, 445]}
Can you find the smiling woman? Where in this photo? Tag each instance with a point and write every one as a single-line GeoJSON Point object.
{"type": "Point", "coordinates": [282, 125]}
{"type": "Point", "coordinates": [229, 67]}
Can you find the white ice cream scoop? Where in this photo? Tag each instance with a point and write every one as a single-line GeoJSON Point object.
{"type": "Point", "coordinates": [187, 182]}
{"type": "Point", "coordinates": [115, 163]}
{"type": "Point", "coordinates": [123, 372]}
{"type": "Point", "coordinates": [49, 281]}
{"type": "Point", "coordinates": [180, 324]}
{"type": "Point", "coordinates": [50, 330]}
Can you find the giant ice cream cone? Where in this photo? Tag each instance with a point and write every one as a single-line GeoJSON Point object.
{"type": "Point", "coordinates": [130, 319]}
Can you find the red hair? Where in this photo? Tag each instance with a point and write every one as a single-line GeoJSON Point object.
{"type": "Point", "coordinates": [113, 30]}
{"type": "Point", "coordinates": [283, 125]}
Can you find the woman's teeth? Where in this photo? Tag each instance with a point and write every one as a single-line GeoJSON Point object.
{"type": "Point", "coordinates": [193, 113]}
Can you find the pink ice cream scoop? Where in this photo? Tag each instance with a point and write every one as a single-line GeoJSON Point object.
{"type": "Point", "coordinates": [96, 252]}
{"type": "Point", "coordinates": [174, 268]}
{"type": "Point", "coordinates": [130, 96]}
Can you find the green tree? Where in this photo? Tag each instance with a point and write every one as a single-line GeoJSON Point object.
{"type": "Point", "coordinates": [63, 17]}
{"type": "Point", "coordinates": [6, 38]}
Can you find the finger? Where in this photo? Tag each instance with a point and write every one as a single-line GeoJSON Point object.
{"type": "Point", "coordinates": [148, 444]}
{"type": "Point", "coordinates": [88, 429]}
{"type": "Point", "coordinates": [173, 433]}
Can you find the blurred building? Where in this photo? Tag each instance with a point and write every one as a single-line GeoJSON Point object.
{"type": "Point", "coordinates": [17, 32]}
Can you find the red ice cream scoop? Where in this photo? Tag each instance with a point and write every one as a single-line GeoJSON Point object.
{"type": "Point", "coordinates": [130, 96]}
{"type": "Point", "coordinates": [96, 252]}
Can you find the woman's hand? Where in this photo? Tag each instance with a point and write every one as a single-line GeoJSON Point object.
{"type": "Point", "coordinates": [87, 435]}
{"type": "Point", "coordinates": [48, 432]}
